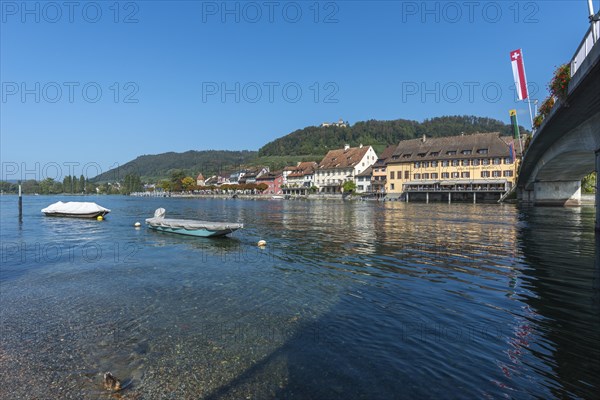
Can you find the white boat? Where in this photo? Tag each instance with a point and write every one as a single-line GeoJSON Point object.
{"type": "Point", "coordinates": [277, 197]}
{"type": "Point", "coordinates": [190, 227]}
{"type": "Point", "coordinates": [75, 209]}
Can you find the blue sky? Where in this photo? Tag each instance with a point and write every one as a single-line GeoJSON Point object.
{"type": "Point", "coordinates": [99, 84]}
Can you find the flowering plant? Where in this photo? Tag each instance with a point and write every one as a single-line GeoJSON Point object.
{"type": "Point", "coordinates": [559, 85]}
{"type": "Point", "coordinates": [546, 106]}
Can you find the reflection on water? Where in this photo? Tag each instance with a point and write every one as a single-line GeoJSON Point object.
{"type": "Point", "coordinates": [348, 300]}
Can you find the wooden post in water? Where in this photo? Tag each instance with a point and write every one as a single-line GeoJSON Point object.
{"type": "Point", "coordinates": [474, 197]}
{"type": "Point", "coordinates": [449, 197]}
{"type": "Point", "coordinates": [20, 204]}
{"type": "Point", "coordinates": [427, 197]}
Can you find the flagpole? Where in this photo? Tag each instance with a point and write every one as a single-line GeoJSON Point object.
{"type": "Point", "coordinates": [530, 114]}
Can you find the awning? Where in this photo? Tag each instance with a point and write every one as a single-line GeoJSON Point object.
{"type": "Point", "coordinates": [474, 182]}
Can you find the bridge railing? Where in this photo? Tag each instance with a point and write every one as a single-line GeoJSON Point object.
{"type": "Point", "coordinates": [585, 47]}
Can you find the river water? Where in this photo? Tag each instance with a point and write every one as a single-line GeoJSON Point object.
{"type": "Point", "coordinates": [349, 300]}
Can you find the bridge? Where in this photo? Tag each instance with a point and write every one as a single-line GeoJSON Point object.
{"type": "Point", "coordinates": [566, 147]}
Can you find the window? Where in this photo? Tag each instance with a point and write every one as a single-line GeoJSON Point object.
{"type": "Point", "coordinates": [465, 174]}
{"type": "Point", "coordinates": [445, 163]}
{"type": "Point", "coordinates": [485, 174]}
{"type": "Point", "coordinates": [406, 175]}
{"type": "Point", "coordinates": [507, 160]}
{"type": "Point", "coordinates": [434, 164]}
{"type": "Point", "coordinates": [466, 152]}
{"type": "Point", "coordinates": [434, 175]}
{"type": "Point", "coordinates": [425, 164]}
{"type": "Point", "coordinates": [485, 161]}
{"type": "Point", "coordinates": [497, 161]}
{"type": "Point", "coordinates": [396, 157]}
{"type": "Point", "coordinates": [482, 151]}
{"type": "Point", "coordinates": [455, 163]}
{"type": "Point", "coordinates": [445, 175]}
{"type": "Point", "coordinates": [496, 174]}
{"type": "Point", "coordinates": [476, 161]}
{"type": "Point", "coordinates": [421, 154]}
{"type": "Point", "coordinates": [417, 164]}
{"type": "Point", "coordinates": [406, 155]}
{"type": "Point", "coordinates": [434, 153]}
{"type": "Point", "coordinates": [417, 176]}
{"type": "Point", "coordinates": [392, 175]}
{"type": "Point", "coordinates": [508, 174]}
{"type": "Point", "coordinates": [464, 163]}
{"type": "Point", "coordinates": [425, 176]}
{"type": "Point", "coordinates": [392, 186]}
{"type": "Point", "coordinates": [451, 152]}
{"type": "Point", "coordinates": [455, 175]}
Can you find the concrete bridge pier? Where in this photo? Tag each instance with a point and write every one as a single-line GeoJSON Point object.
{"type": "Point", "coordinates": [557, 193]}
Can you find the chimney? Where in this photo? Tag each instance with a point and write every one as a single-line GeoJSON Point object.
{"type": "Point", "coordinates": [361, 146]}
{"type": "Point", "coordinates": [346, 147]}
{"type": "Point", "coordinates": [424, 139]}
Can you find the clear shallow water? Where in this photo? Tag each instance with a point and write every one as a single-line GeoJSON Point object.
{"type": "Point", "coordinates": [348, 301]}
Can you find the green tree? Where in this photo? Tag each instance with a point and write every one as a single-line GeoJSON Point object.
{"type": "Point", "coordinates": [81, 183]}
{"type": "Point", "coordinates": [177, 176]}
{"type": "Point", "coordinates": [188, 183]}
{"type": "Point", "coordinates": [167, 186]}
{"type": "Point", "coordinates": [67, 184]}
{"type": "Point", "coordinates": [349, 186]}
{"type": "Point", "coordinates": [588, 184]}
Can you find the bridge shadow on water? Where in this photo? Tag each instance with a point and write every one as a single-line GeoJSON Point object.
{"type": "Point", "coordinates": [564, 254]}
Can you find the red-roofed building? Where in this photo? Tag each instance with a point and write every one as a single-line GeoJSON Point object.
{"type": "Point", "coordinates": [343, 165]}
{"type": "Point", "coordinates": [200, 180]}
{"type": "Point", "coordinates": [273, 180]}
{"type": "Point", "coordinates": [300, 178]}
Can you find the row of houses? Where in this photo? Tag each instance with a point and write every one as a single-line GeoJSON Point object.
{"type": "Point", "coordinates": [478, 162]}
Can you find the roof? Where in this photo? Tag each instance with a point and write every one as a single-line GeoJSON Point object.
{"type": "Point", "coordinates": [269, 176]}
{"type": "Point", "coordinates": [302, 169]}
{"type": "Point", "coordinates": [366, 172]}
{"type": "Point", "coordinates": [200, 177]}
{"type": "Point", "coordinates": [343, 158]}
{"type": "Point", "coordinates": [387, 153]}
{"type": "Point", "coordinates": [451, 147]}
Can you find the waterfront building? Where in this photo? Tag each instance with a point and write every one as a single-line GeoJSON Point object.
{"type": "Point", "coordinates": [466, 164]}
{"type": "Point", "coordinates": [300, 178]}
{"type": "Point", "coordinates": [252, 175]}
{"type": "Point", "coordinates": [273, 180]}
{"type": "Point", "coordinates": [379, 177]}
{"type": "Point", "coordinates": [200, 180]}
{"type": "Point", "coordinates": [363, 181]}
{"type": "Point", "coordinates": [342, 165]}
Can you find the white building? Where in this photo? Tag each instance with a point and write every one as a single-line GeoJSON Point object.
{"type": "Point", "coordinates": [343, 165]}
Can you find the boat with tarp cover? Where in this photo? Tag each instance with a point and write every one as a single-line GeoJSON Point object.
{"type": "Point", "coordinates": [190, 227]}
{"type": "Point", "coordinates": [75, 209]}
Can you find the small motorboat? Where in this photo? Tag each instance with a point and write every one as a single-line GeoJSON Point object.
{"type": "Point", "coordinates": [190, 227]}
{"type": "Point", "coordinates": [75, 209]}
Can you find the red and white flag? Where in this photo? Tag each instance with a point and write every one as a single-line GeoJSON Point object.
{"type": "Point", "coordinates": [516, 60]}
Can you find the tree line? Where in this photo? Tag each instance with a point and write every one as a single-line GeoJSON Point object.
{"type": "Point", "coordinates": [314, 140]}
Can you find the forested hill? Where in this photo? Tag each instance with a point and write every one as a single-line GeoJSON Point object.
{"type": "Point", "coordinates": [152, 167]}
{"type": "Point", "coordinates": [315, 140]}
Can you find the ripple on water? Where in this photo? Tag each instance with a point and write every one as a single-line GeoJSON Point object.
{"type": "Point", "coordinates": [348, 300]}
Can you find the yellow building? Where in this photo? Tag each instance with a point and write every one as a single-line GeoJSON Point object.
{"type": "Point", "coordinates": [476, 163]}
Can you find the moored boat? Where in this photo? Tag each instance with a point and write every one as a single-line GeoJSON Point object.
{"type": "Point", "coordinates": [75, 209]}
{"type": "Point", "coordinates": [190, 227]}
